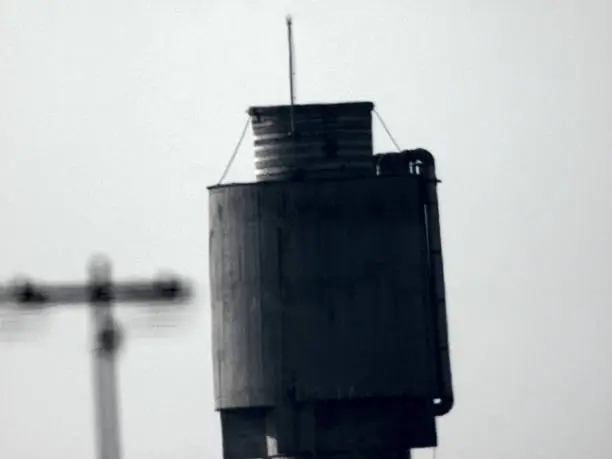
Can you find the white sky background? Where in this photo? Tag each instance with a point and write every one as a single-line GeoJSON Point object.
{"type": "Point", "coordinates": [115, 115]}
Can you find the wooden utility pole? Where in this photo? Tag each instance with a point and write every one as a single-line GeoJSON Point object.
{"type": "Point", "coordinates": [100, 293]}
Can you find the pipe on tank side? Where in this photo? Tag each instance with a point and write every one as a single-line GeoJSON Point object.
{"type": "Point", "coordinates": [421, 163]}
{"type": "Point", "coordinates": [446, 401]}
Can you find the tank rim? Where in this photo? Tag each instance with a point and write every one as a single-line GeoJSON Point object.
{"type": "Point", "coordinates": [276, 109]}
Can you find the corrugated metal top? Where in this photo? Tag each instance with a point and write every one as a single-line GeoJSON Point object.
{"type": "Point", "coordinates": [268, 110]}
{"type": "Point", "coordinates": [317, 140]}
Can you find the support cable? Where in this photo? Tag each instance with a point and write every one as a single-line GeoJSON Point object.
{"type": "Point", "coordinates": [236, 149]}
{"type": "Point", "coordinates": [384, 125]}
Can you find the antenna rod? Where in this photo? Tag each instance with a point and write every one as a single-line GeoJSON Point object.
{"type": "Point", "coordinates": [291, 71]}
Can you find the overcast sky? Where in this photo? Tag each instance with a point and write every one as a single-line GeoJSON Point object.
{"type": "Point", "coordinates": [116, 115]}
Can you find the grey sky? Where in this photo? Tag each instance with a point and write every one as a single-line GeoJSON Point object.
{"type": "Point", "coordinates": [115, 115]}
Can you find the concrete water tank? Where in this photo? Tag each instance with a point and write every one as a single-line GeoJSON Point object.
{"type": "Point", "coordinates": [328, 304]}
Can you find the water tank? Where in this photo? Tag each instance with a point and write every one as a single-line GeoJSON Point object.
{"type": "Point", "coordinates": [328, 306]}
{"type": "Point", "coordinates": [316, 140]}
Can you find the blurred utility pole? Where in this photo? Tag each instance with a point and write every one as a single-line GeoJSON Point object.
{"type": "Point", "coordinates": [100, 293]}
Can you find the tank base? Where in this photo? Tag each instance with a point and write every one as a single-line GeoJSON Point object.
{"type": "Point", "coordinates": [354, 455]}
{"type": "Point", "coordinates": [348, 429]}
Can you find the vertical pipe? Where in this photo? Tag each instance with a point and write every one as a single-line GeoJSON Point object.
{"type": "Point", "coordinates": [428, 172]}
{"type": "Point", "coordinates": [104, 374]}
{"type": "Point", "coordinates": [421, 163]}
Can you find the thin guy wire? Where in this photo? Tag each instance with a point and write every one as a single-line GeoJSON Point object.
{"type": "Point", "coordinates": [231, 160]}
{"type": "Point", "coordinates": [387, 130]}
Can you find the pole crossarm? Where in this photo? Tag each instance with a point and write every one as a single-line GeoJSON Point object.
{"type": "Point", "coordinates": [163, 290]}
